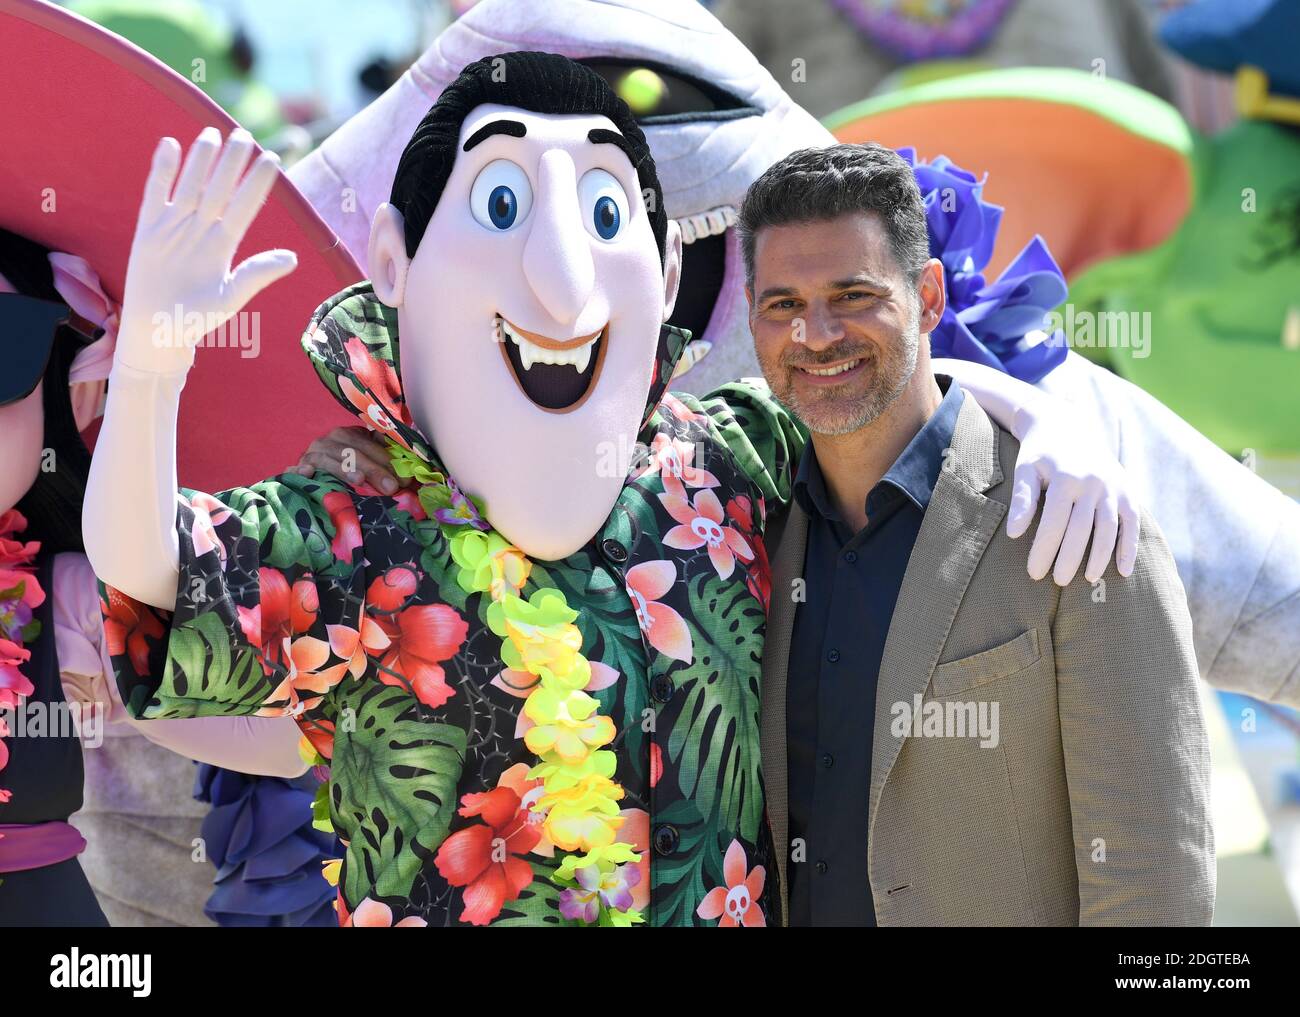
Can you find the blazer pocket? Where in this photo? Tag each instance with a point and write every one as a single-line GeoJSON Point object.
{"type": "Point", "coordinates": [966, 673]}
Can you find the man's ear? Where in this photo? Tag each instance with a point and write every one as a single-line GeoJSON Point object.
{"type": "Point", "coordinates": [386, 255]}
{"type": "Point", "coordinates": [672, 266]}
{"type": "Point", "coordinates": [930, 289]}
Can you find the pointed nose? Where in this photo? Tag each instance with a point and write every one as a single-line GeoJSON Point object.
{"type": "Point", "coordinates": [557, 256]}
{"type": "Point", "coordinates": [821, 327]}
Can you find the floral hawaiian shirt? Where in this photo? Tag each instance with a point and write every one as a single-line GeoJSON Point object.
{"type": "Point", "coordinates": [342, 607]}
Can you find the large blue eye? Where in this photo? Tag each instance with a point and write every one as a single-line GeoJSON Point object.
{"type": "Point", "coordinates": [605, 217]}
{"type": "Point", "coordinates": [501, 196]}
{"type": "Point", "coordinates": [502, 207]}
{"type": "Point", "coordinates": [604, 204]}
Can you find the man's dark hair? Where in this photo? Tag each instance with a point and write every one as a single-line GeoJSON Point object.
{"type": "Point", "coordinates": [538, 82]}
{"type": "Point", "coordinates": [816, 184]}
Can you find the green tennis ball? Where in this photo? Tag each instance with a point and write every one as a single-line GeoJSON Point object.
{"type": "Point", "coordinates": [642, 89]}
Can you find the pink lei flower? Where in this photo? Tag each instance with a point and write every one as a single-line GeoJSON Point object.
{"type": "Point", "coordinates": [20, 594]}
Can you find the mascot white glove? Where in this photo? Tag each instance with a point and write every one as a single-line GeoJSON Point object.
{"type": "Point", "coordinates": [179, 281]}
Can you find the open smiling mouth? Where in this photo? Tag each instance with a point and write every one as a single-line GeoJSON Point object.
{"type": "Point", "coordinates": [555, 374]}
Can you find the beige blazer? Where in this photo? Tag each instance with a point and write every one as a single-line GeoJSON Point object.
{"type": "Point", "coordinates": [1091, 804]}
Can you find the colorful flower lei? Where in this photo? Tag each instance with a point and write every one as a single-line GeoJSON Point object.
{"type": "Point", "coordinates": [19, 594]}
{"type": "Point", "coordinates": [578, 807]}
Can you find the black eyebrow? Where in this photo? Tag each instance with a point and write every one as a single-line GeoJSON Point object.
{"type": "Point", "coordinates": [860, 281]}
{"type": "Point", "coordinates": [511, 127]}
{"type": "Point", "coordinates": [601, 136]}
{"type": "Point", "coordinates": [775, 291]}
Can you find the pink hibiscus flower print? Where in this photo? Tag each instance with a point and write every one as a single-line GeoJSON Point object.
{"type": "Point", "coordinates": [209, 513]}
{"type": "Point", "coordinates": [407, 498]}
{"type": "Point", "coordinates": [674, 457]}
{"type": "Point", "coordinates": [664, 628]}
{"type": "Point", "coordinates": [278, 626]}
{"type": "Point", "coordinates": [680, 410]}
{"type": "Point", "coordinates": [736, 904]}
{"type": "Point", "coordinates": [758, 578]}
{"type": "Point", "coordinates": [530, 791]}
{"type": "Point", "coordinates": [129, 628]}
{"type": "Point", "coordinates": [702, 523]}
{"type": "Point", "coordinates": [420, 639]}
{"type": "Point", "coordinates": [353, 645]}
{"type": "Point", "coordinates": [376, 914]}
{"type": "Point", "coordinates": [473, 857]}
{"type": "Point", "coordinates": [379, 401]}
{"type": "Point", "coordinates": [347, 526]}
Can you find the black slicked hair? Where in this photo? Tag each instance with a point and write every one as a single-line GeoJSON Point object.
{"type": "Point", "coordinates": [818, 184]}
{"type": "Point", "coordinates": [538, 82]}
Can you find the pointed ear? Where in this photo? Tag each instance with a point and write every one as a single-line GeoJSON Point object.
{"type": "Point", "coordinates": [672, 266]}
{"type": "Point", "coordinates": [386, 255]}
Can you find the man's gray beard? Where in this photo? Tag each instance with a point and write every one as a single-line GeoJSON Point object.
{"type": "Point", "coordinates": [878, 398]}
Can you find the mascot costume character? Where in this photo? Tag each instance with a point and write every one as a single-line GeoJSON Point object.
{"type": "Point", "coordinates": [537, 667]}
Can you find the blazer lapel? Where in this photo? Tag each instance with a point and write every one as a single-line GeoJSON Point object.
{"type": "Point", "coordinates": [787, 566]}
{"type": "Point", "coordinates": [959, 523]}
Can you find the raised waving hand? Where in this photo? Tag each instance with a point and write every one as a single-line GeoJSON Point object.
{"type": "Point", "coordinates": [192, 219]}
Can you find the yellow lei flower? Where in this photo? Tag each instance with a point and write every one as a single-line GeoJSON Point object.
{"type": "Point", "coordinates": [579, 800]}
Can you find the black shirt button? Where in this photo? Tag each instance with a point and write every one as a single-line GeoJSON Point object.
{"type": "Point", "coordinates": [851, 556]}
{"type": "Point", "coordinates": [828, 760]}
{"type": "Point", "coordinates": [666, 839]}
{"type": "Point", "coordinates": [833, 656]}
{"type": "Point", "coordinates": [614, 551]}
{"type": "Point", "coordinates": [661, 688]}
{"type": "Point", "coordinates": [822, 868]}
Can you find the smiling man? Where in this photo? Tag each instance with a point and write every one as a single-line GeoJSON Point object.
{"type": "Point", "coordinates": [945, 740]}
{"type": "Point", "coordinates": [534, 678]}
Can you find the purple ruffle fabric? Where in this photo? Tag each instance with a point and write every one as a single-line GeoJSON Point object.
{"type": "Point", "coordinates": [985, 322]}
{"type": "Point", "coordinates": [267, 854]}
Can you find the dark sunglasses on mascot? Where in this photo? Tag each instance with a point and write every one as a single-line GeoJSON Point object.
{"type": "Point", "coordinates": [28, 326]}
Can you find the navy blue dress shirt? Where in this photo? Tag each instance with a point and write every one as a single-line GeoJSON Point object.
{"type": "Point", "coordinates": [852, 584]}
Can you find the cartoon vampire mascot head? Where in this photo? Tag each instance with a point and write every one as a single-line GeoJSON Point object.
{"type": "Point", "coordinates": [527, 232]}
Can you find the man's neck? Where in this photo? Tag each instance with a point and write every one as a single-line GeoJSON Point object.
{"type": "Point", "coordinates": [852, 464]}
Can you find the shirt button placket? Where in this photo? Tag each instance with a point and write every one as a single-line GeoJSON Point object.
{"type": "Point", "coordinates": [662, 689]}
{"type": "Point", "coordinates": [665, 837]}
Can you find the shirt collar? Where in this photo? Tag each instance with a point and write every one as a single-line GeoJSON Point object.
{"type": "Point", "coordinates": [914, 473]}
